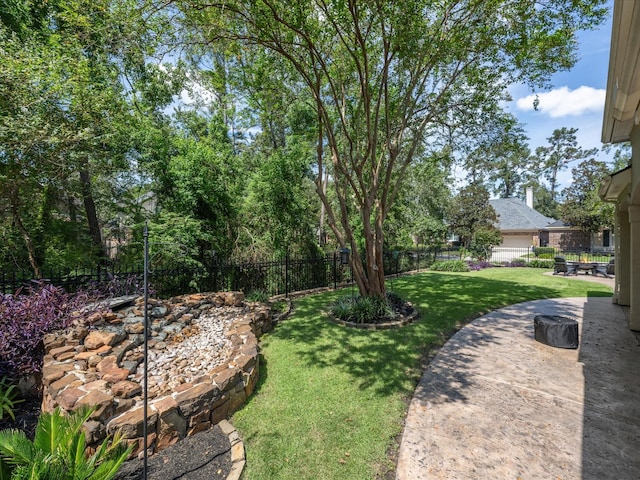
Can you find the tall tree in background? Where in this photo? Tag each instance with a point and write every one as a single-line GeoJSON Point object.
{"type": "Point", "coordinates": [470, 212]}
{"type": "Point", "coordinates": [384, 76]}
{"type": "Point", "coordinates": [582, 205]}
{"type": "Point", "coordinates": [506, 156]}
{"type": "Point", "coordinates": [562, 150]}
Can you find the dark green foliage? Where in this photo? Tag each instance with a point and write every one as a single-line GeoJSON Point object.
{"type": "Point", "coordinates": [8, 398]}
{"type": "Point", "coordinates": [365, 309]}
{"type": "Point", "coordinates": [541, 263]}
{"type": "Point", "coordinates": [450, 266]}
{"type": "Point", "coordinates": [58, 451]}
{"type": "Point", "coordinates": [542, 251]}
{"type": "Point", "coordinates": [257, 296]}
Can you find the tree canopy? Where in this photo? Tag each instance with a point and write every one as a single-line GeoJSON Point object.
{"type": "Point", "coordinates": [385, 77]}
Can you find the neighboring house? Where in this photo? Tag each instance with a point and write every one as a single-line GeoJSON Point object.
{"type": "Point", "coordinates": [621, 123]}
{"type": "Point", "coordinates": [521, 226]}
{"type": "Point", "coordinates": [567, 237]}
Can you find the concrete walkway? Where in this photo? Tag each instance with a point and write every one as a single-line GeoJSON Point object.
{"type": "Point", "coordinates": [496, 404]}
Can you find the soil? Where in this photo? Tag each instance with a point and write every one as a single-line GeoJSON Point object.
{"type": "Point", "coordinates": [26, 413]}
{"type": "Point", "coordinates": [204, 456]}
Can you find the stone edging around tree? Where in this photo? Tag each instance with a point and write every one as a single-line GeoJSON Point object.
{"type": "Point", "coordinates": [83, 367]}
{"type": "Point", "coordinates": [404, 320]}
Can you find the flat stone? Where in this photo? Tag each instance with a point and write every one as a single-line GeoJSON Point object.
{"type": "Point", "coordinates": [116, 375]}
{"type": "Point", "coordinates": [195, 398]}
{"type": "Point", "coordinates": [69, 397]}
{"type": "Point", "coordinates": [107, 364]}
{"type": "Point", "coordinates": [63, 349]}
{"type": "Point", "coordinates": [51, 373]}
{"type": "Point", "coordinates": [227, 379]}
{"type": "Point", "coordinates": [134, 328]}
{"type": "Point", "coordinates": [101, 401]}
{"type": "Point", "coordinates": [96, 385]}
{"type": "Point", "coordinates": [98, 338]}
{"type": "Point", "coordinates": [126, 389]}
{"type": "Point", "coordinates": [165, 405]}
{"type": "Point", "coordinates": [53, 340]}
{"type": "Point", "coordinates": [58, 385]}
{"type": "Point", "coordinates": [94, 431]}
{"type": "Point", "coordinates": [131, 423]}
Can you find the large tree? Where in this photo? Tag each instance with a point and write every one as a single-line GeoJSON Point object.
{"type": "Point", "coordinates": [501, 156]}
{"type": "Point", "coordinates": [385, 76]}
{"type": "Point", "coordinates": [471, 213]}
{"type": "Point", "coordinates": [563, 149]}
{"type": "Point", "coordinates": [583, 207]}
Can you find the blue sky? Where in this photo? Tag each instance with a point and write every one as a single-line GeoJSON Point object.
{"type": "Point", "coordinates": [577, 97]}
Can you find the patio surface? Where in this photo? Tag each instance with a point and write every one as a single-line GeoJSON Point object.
{"type": "Point", "coordinates": [496, 404]}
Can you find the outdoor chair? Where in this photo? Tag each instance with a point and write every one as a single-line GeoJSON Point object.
{"type": "Point", "coordinates": [561, 266]}
{"type": "Point", "coordinates": [606, 270]}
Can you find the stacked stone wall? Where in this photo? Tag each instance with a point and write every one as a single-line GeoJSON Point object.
{"type": "Point", "coordinates": [101, 367]}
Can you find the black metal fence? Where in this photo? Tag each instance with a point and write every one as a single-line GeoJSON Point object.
{"type": "Point", "coordinates": [273, 277]}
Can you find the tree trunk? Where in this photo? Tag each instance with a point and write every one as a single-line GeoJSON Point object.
{"type": "Point", "coordinates": [17, 221]}
{"type": "Point", "coordinates": [92, 215]}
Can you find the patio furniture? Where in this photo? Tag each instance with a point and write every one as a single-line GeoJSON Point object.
{"type": "Point", "coordinates": [561, 266]}
{"type": "Point", "coordinates": [605, 269]}
{"type": "Point", "coordinates": [556, 331]}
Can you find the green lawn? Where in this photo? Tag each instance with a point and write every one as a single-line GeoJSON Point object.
{"type": "Point", "coordinates": [331, 400]}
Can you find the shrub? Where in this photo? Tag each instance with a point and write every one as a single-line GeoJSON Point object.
{"type": "Point", "coordinates": [24, 319]}
{"type": "Point", "coordinates": [450, 266]}
{"type": "Point", "coordinates": [394, 299]}
{"type": "Point", "coordinates": [516, 263]}
{"type": "Point", "coordinates": [8, 398]}
{"type": "Point", "coordinates": [541, 263]}
{"type": "Point", "coordinates": [257, 296]}
{"type": "Point", "coordinates": [58, 450]}
{"type": "Point", "coordinates": [475, 266]}
{"type": "Point", "coordinates": [544, 252]}
{"type": "Point", "coordinates": [363, 309]}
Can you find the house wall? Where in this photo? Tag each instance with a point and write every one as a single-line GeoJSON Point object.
{"type": "Point", "coordinates": [570, 239]}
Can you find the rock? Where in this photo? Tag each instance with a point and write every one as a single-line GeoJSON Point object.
{"type": "Point", "coordinates": [55, 352]}
{"type": "Point", "coordinates": [116, 375]}
{"type": "Point", "coordinates": [134, 328]}
{"type": "Point", "coordinates": [58, 385]}
{"type": "Point", "coordinates": [126, 389]}
{"type": "Point", "coordinates": [53, 372]}
{"type": "Point", "coordinates": [196, 398]}
{"type": "Point", "coordinates": [69, 397]}
{"type": "Point", "coordinates": [131, 423]}
{"type": "Point", "coordinates": [94, 431]}
{"type": "Point", "coordinates": [98, 338]}
{"type": "Point", "coordinates": [107, 364]}
{"type": "Point", "coordinates": [101, 401]}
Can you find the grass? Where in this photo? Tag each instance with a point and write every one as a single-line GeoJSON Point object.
{"type": "Point", "coordinates": [331, 401]}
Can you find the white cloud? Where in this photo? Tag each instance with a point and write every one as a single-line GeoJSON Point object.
{"type": "Point", "coordinates": [563, 102]}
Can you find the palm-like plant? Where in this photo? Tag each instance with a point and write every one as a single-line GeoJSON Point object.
{"type": "Point", "coordinates": [58, 451]}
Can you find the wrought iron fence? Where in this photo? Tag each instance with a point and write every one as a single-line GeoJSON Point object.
{"type": "Point", "coordinates": [273, 277]}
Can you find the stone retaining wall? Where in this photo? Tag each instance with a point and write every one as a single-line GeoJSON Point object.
{"type": "Point", "coordinates": [100, 367]}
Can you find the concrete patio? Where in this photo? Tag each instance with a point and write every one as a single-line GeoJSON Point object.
{"type": "Point", "coordinates": [496, 404]}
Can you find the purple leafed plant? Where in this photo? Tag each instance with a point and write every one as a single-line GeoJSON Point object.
{"type": "Point", "coordinates": [474, 266]}
{"type": "Point", "coordinates": [516, 263]}
{"type": "Point", "coordinates": [117, 286]}
{"type": "Point", "coordinates": [25, 318]}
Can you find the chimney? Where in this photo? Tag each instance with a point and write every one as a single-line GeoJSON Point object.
{"type": "Point", "coordinates": [529, 197]}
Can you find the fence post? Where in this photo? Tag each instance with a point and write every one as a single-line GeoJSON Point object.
{"type": "Point", "coordinates": [286, 274]}
{"type": "Point", "coordinates": [335, 271]}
